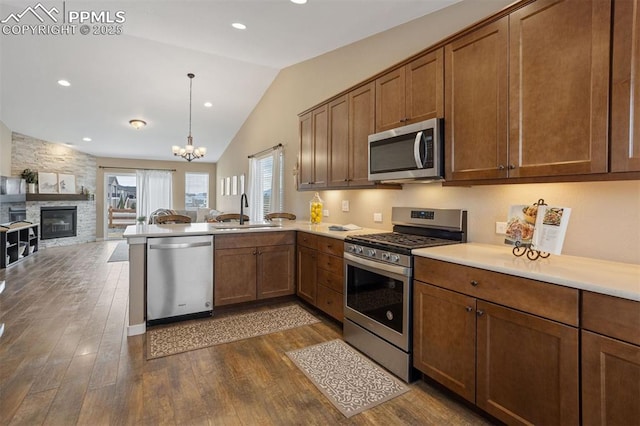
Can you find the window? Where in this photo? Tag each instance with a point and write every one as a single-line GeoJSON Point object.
{"type": "Point", "coordinates": [266, 186]}
{"type": "Point", "coordinates": [196, 190]}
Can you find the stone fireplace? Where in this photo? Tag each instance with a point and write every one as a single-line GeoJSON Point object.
{"type": "Point", "coordinates": [58, 222]}
{"type": "Point", "coordinates": [85, 221]}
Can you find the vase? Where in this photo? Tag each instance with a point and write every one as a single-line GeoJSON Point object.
{"type": "Point", "coordinates": [31, 188]}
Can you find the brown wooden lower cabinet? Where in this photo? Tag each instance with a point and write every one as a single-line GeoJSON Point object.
{"type": "Point", "coordinates": [251, 266]}
{"type": "Point", "coordinates": [610, 360]}
{"type": "Point", "coordinates": [520, 368]}
{"type": "Point", "coordinates": [527, 367]}
{"type": "Point", "coordinates": [610, 381]}
{"type": "Point", "coordinates": [307, 272]}
{"type": "Point", "coordinates": [320, 273]}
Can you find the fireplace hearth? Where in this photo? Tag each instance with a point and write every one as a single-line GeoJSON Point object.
{"type": "Point", "coordinates": [58, 222]}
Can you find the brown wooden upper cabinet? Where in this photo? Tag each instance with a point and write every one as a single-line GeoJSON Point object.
{"type": "Point", "coordinates": [351, 121]}
{"type": "Point", "coordinates": [476, 99]}
{"type": "Point", "coordinates": [410, 93]}
{"type": "Point", "coordinates": [312, 167]}
{"type": "Point", "coordinates": [625, 87]}
{"type": "Point", "coordinates": [548, 62]}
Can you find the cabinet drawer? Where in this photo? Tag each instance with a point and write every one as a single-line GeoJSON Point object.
{"type": "Point", "coordinates": [611, 316]}
{"type": "Point", "coordinates": [254, 239]}
{"type": "Point", "coordinates": [331, 280]}
{"type": "Point", "coordinates": [330, 263]}
{"type": "Point", "coordinates": [547, 300]}
{"type": "Point", "coordinates": [308, 240]}
{"type": "Point", "coordinates": [331, 246]}
{"type": "Point", "coordinates": [330, 301]}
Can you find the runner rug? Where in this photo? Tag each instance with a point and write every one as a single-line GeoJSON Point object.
{"type": "Point", "coordinates": [179, 338]}
{"type": "Point", "coordinates": [349, 380]}
{"type": "Point", "coordinates": [120, 253]}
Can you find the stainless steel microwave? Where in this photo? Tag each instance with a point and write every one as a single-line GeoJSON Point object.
{"type": "Point", "coordinates": [412, 152]}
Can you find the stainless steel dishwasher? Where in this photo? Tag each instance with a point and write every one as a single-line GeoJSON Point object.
{"type": "Point", "coordinates": [179, 278]}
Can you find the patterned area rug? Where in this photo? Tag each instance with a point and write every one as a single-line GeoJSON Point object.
{"type": "Point", "coordinates": [347, 378]}
{"type": "Point", "coordinates": [202, 333]}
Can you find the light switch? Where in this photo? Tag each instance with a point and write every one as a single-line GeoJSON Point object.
{"type": "Point", "coordinates": [345, 205]}
{"type": "Point", "coordinates": [325, 213]}
{"type": "Point", "coordinates": [377, 217]}
{"type": "Point", "coordinates": [501, 228]}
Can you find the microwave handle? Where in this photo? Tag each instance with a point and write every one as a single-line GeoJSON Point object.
{"type": "Point", "coordinates": [416, 150]}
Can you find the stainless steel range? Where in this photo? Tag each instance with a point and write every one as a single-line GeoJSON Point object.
{"type": "Point", "coordinates": [379, 287]}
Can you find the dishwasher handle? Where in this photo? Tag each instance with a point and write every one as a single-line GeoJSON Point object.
{"type": "Point", "coordinates": [179, 245]}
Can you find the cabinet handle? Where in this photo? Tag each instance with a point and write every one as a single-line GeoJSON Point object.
{"type": "Point", "coordinates": [501, 167]}
{"type": "Point", "coordinates": [255, 252]}
{"type": "Point", "coordinates": [474, 283]}
{"type": "Point", "coordinates": [511, 167]}
{"type": "Point", "coordinates": [480, 313]}
{"type": "Point", "coordinates": [468, 308]}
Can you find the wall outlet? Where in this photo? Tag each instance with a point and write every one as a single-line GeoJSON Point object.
{"type": "Point", "coordinates": [501, 228]}
{"type": "Point", "coordinates": [325, 213]}
{"type": "Point", "coordinates": [345, 205]}
{"type": "Point", "coordinates": [377, 217]}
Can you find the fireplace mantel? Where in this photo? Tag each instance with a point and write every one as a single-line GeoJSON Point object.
{"type": "Point", "coordinates": [58, 197]}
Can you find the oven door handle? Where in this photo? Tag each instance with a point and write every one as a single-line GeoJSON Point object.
{"type": "Point", "coordinates": [399, 270]}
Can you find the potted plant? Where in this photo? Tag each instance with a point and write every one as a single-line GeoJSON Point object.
{"type": "Point", "coordinates": [141, 219]}
{"type": "Point", "coordinates": [31, 178]}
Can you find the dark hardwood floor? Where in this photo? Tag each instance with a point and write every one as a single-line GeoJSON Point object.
{"type": "Point", "coordinates": [65, 359]}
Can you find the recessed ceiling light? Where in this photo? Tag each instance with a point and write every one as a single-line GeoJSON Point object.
{"type": "Point", "coordinates": [64, 83]}
{"type": "Point", "coordinates": [137, 123]}
{"type": "Point", "coordinates": [299, 1]}
{"type": "Point", "coordinates": [239, 26]}
{"type": "Point", "coordinates": [86, 139]}
{"type": "Point", "coordinates": [208, 104]}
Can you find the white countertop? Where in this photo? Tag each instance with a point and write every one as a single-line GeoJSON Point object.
{"type": "Point", "coordinates": [600, 276]}
{"type": "Point", "coordinates": [138, 233]}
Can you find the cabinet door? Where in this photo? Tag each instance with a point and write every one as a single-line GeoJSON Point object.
{"type": "Point", "coordinates": [527, 367]}
{"type": "Point", "coordinates": [339, 142]}
{"type": "Point", "coordinates": [235, 276]}
{"type": "Point", "coordinates": [320, 146]}
{"type": "Point", "coordinates": [424, 87]}
{"type": "Point", "coordinates": [362, 110]}
{"type": "Point", "coordinates": [305, 166]}
{"type": "Point", "coordinates": [307, 269]}
{"type": "Point", "coordinates": [476, 104]}
{"type": "Point", "coordinates": [331, 302]}
{"type": "Point", "coordinates": [444, 330]}
{"type": "Point", "coordinates": [390, 100]}
{"type": "Point", "coordinates": [625, 87]}
{"type": "Point", "coordinates": [559, 88]}
{"type": "Point", "coordinates": [276, 271]}
{"type": "Point", "coordinates": [610, 381]}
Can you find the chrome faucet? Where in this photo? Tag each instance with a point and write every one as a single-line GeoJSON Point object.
{"type": "Point", "coordinates": [246, 204]}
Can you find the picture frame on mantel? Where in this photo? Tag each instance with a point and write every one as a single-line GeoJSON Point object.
{"type": "Point", "coordinates": [66, 184]}
{"type": "Point", "coordinates": [47, 183]}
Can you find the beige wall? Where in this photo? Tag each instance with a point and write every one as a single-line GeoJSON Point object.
{"type": "Point", "coordinates": [5, 150]}
{"type": "Point", "coordinates": [605, 215]}
{"type": "Point", "coordinates": [181, 168]}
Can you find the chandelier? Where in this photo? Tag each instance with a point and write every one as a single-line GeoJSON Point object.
{"type": "Point", "coordinates": [188, 152]}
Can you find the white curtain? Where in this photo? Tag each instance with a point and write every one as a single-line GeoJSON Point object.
{"type": "Point", "coordinates": [265, 184]}
{"type": "Point", "coordinates": [254, 190]}
{"type": "Point", "coordinates": [154, 191]}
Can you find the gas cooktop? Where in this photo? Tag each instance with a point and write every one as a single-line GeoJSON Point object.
{"type": "Point", "coordinates": [402, 240]}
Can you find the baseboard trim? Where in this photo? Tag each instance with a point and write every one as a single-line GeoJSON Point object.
{"type": "Point", "coordinates": [135, 329]}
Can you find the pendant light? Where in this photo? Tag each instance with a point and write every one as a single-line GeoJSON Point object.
{"type": "Point", "coordinates": [189, 153]}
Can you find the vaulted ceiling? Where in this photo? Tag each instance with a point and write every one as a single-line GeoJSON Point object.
{"type": "Point", "coordinates": [142, 72]}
